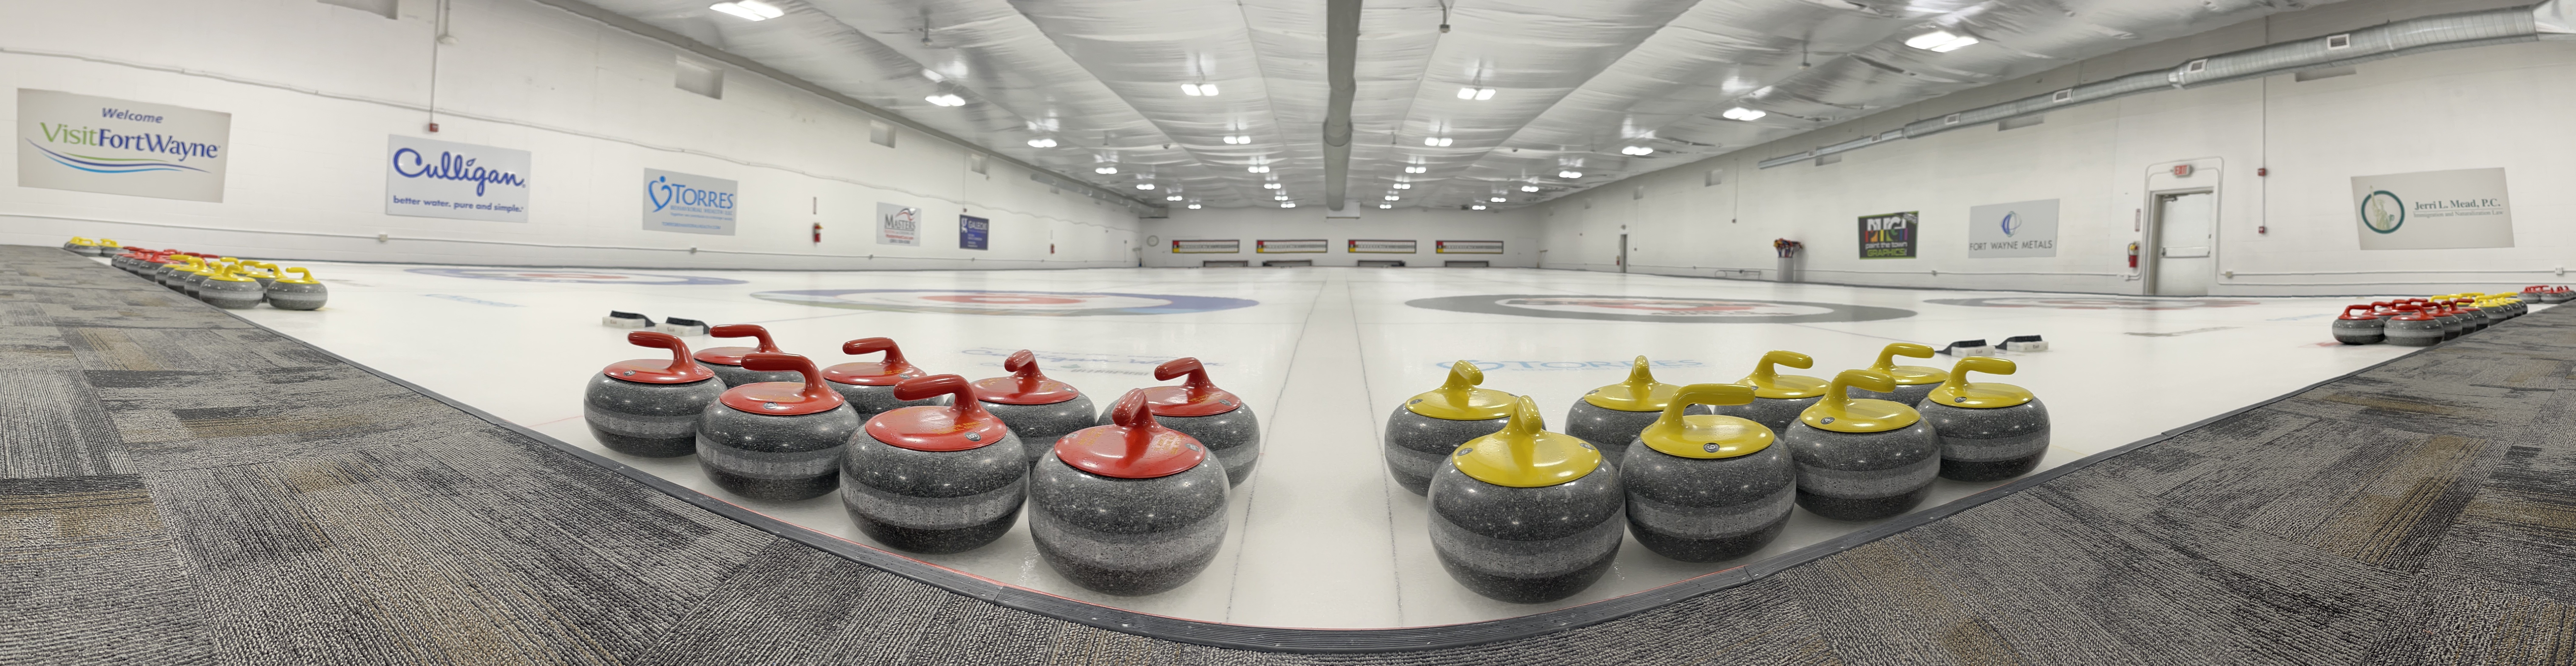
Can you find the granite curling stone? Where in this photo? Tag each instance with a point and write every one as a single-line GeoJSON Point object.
{"type": "Point", "coordinates": [167, 275]}
{"type": "Point", "coordinates": [1989, 431]}
{"type": "Point", "coordinates": [2357, 326]}
{"type": "Point", "coordinates": [1038, 408]}
{"type": "Point", "coordinates": [231, 290]}
{"type": "Point", "coordinates": [2412, 327]}
{"type": "Point", "coordinates": [869, 385]}
{"type": "Point", "coordinates": [727, 361]}
{"type": "Point", "coordinates": [1778, 399]}
{"type": "Point", "coordinates": [1422, 431]}
{"type": "Point", "coordinates": [301, 292]}
{"type": "Point", "coordinates": [1525, 515]}
{"type": "Point", "coordinates": [1862, 459]}
{"type": "Point", "coordinates": [934, 478]}
{"type": "Point", "coordinates": [1217, 418]}
{"type": "Point", "coordinates": [1707, 488]}
{"type": "Point", "coordinates": [1130, 508]}
{"type": "Point", "coordinates": [194, 282]}
{"type": "Point", "coordinates": [1611, 415]}
{"type": "Point", "coordinates": [649, 407]}
{"type": "Point", "coordinates": [1912, 381]}
{"type": "Point", "coordinates": [779, 441]}
{"type": "Point", "coordinates": [81, 246]}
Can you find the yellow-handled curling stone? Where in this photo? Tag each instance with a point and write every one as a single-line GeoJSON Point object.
{"type": "Point", "coordinates": [1128, 508]}
{"type": "Point", "coordinates": [1525, 515]}
{"type": "Point", "coordinates": [1862, 459]}
{"type": "Point", "coordinates": [301, 292]}
{"type": "Point", "coordinates": [1989, 430]}
{"type": "Point", "coordinates": [1422, 431]}
{"type": "Point", "coordinates": [934, 478]}
{"type": "Point", "coordinates": [1778, 398]}
{"type": "Point", "coordinates": [1704, 488]}
{"type": "Point", "coordinates": [1611, 415]}
{"type": "Point", "coordinates": [1912, 381]}
{"type": "Point", "coordinates": [230, 289]}
{"type": "Point", "coordinates": [649, 407]}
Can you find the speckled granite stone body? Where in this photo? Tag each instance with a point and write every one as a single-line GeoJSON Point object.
{"type": "Point", "coordinates": [1707, 509]}
{"type": "Point", "coordinates": [933, 501]}
{"type": "Point", "coordinates": [1607, 429]}
{"type": "Point", "coordinates": [780, 458]}
{"type": "Point", "coordinates": [1905, 394]}
{"type": "Point", "coordinates": [1988, 444]}
{"type": "Point", "coordinates": [2358, 331]}
{"type": "Point", "coordinates": [647, 420]}
{"type": "Point", "coordinates": [1527, 545]}
{"type": "Point", "coordinates": [1127, 536]}
{"type": "Point", "coordinates": [231, 295]}
{"type": "Point", "coordinates": [193, 284]}
{"type": "Point", "coordinates": [297, 296]}
{"type": "Point", "coordinates": [735, 375]}
{"type": "Point", "coordinates": [1773, 413]}
{"type": "Point", "coordinates": [2407, 333]}
{"type": "Point", "coordinates": [1418, 446]}
{"type": "Point", "coordinates": [1039, 426]}
{"type": "Point", "coordinates": [870, 401]}
{"type": "Point", "coordinates": [1233, 438]}
{"type": "Point", "coordinates": [1863, 476]}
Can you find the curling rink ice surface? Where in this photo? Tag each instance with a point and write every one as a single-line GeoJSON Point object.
{"type": "Point", "coordinates": [1320, 536]}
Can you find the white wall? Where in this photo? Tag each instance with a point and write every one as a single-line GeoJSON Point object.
{"type": "Point", "coordinates": [1517, 229]}
{"type": "Point", "coordinates": [2291, 232]}
{"type": "Point", "coordinates": [314, 89]}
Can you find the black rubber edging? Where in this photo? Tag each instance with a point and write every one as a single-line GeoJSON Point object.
{"type": "Point", "coordinates": [1315, 641]}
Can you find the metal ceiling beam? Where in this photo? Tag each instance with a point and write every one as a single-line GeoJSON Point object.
{"type": "Point", "coordinates": [1341, 56]}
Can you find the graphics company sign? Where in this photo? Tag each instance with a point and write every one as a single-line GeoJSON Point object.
{"type": "Point", "coordinates": [2433, 209]}
{"type": "Point", "coordinates": [1890, 236]}
{"type": "Point", "coordinates": [898, 225]}
{"type": "Point", "coordinates": [2025, 229]}
{"type": "Point", "coordinates": [430, 178]}
{"type": "Point", "coordinates": [113, 146]}
{"type": "Point", "coordinates": [683, 203]}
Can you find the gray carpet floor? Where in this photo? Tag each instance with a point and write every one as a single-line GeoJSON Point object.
{"type": "Point", "coordinates": [183, 488]}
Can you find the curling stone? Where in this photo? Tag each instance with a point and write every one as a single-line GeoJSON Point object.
{"type": "Point", "coordinates": [2412, 327]}
{"type": "Point", "coordinates": [301, 292]}
{"type": "Point", "coordinates": [2477, 317]}
{"type": "Point", "coordinates": [1039, 409]}
{"type": "Point", "coordinates": [2557, 294]}
{"type": "Point", "coordinates": [727, 361]}
{"type": "Point", "coordinates": [194, 280]}
{"type": "Point", "coordinates": [1707, 488]}
{"type": "Point", "coordinates": [934, 478]}
{"type": "Point", "coordinates": [1862, 459]}
{"type": "Point", "coordinates": [1912, 381]}
{"type": "Point", "coordinates": [649, 407]}
{"type": "Point", "coordinates": [2452, 328]}
{"type": "Point", "coordinates": [2358, 326]}
{"type": "Point", "coordinates": [1525, 515]}
{"type": "Point", "coordinates": [169, 270]}
{"type": "Point", "coordinates": [1989, 431]}
{"type": "Point", "coordinates": [230, 290]}
{"type": "Point", "coordinates": [1129, 508]}
{"type": "Point", "coordinates": [869, 385]}
{"type": "Point", "coordinates": [264, 272]}
{"type": "Point", "coordinates": [1611, 415]}
{"type": "Point", "coordinates": [1778, 399]}
{"type": "Point", "coordinates": [777, 441]}
{"type": "Point", "coordinates": [81, 246]}
{"type": "Point", "coordinates": [1422, 432]}
{"type": "Point", "coordinates": [1215, 417]}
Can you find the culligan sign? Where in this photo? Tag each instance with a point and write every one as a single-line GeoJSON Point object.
{"type": "Point", "coordinates": [114, 146]}
{"type": "Point", "coordinates": [429, 178]}
{"type": "Point", "coordinates": [689, 204]}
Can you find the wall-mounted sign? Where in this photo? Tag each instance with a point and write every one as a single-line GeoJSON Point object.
{"type": "Point", "coordinates": [2024, 229]}
{"type": "Point", "coordinates": [1466, 247]}
{"type": "Point", "coordinates": [463, 181]}
{"type": "Point", "coordinates": [1291, 246]}
{"type": "Point", "coordinates": [974, 233]}
{"type": "Point", "coordinates": [1365, 246]}
{"type": "Point", "coordinates": [898, 225]}
{"type": "Point", "coordinates": [1890, 236]}
{"type": "Point", "coordinates": [1229, 246]}
{"type": "Point", "coordinates": [113, 146]}
{"type": "Point", "coordinates": [2433, 209]}
{"type": "Point", "coordinates": [688, 204]}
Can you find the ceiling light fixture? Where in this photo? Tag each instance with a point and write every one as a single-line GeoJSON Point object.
{"type": "Point", "coordinates": [1416, 169]}
{"type": "Point", "coordinates": [1404, 186]}
{"type": "Point", "coordinates": [945, 99]}
{"type": "Point", "coordinates": [1144, 186]}
{"type": "Point", "coordinates": [1499, 200]}
{"type": "Point", "coordinates": [1569, 173]}
{"type": "Point", "coordinates": [1384, 206]}
{"type": "Point", "coordinates": [1637, 150]}
{"type": "Point", "coordinates": [1434, 141]}
{"type": "Point", "coordinates": [1105, 170]}
{"type": "Point", "coordinates": [1194, 206]}
{"type": "Point", "coordinates": [1042, 142]}
{"type": "Point", "coordinates": [1744, 114]}
{"type": "Point", "coordinates": [1199, 89]}
{"type": "Point", "coordinates": [1391, 197]}
{"type": "Point", "coordinates": [1476, 207]}
{"type": "Point", "coordinates": [1478, 94]}
{"type": "Point", "coordinates": [1529, 188]}
{"type": "Point", "coordinates": [934, 76]}
{"type": "Point", "coordinates": [1175, 197]}
{"type": "Point", "coordinates": [749, 10]}
{"type": "Point", "coordinates": [1257, 169]}
{"type": "Point", "coordinates": [1238, 139]}
{"type": "Point", "coordinates": [1282, 197]}
{"type": "Point", "coordinates": [1289, 204]}
{"type": "Point", "coordinates": [1941, 41]}
{"type": "Point", "coordinates": [1269, 186]}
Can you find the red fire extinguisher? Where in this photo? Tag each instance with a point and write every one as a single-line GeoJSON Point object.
{"type": "Point", "coordinates": [2133, 255]}
{"type": "Point", "coordinates": [818, 237]}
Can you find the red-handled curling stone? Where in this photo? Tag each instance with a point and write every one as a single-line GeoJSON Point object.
{"type": "Point", "coordinates": [934, 478]}
{"type": "Point", "coordinates": [2358, 326]}
{"type": "Point", "coordinates": [1214, 416]}
{"type": "Point", "coordinates": [1037, 408]}
{"type": "Point", "coordinates": [727, 361]}
{"type": "Point", "coordinates": [1128, 508]}
{"type": "Point", "coordinates": [649, 407]}
{"type": "Point", "coordinates": [869, 385]}
{"type": "Point", "coordinates": [2412, 327]}
{"type": "Point", "coordinates": [776, 440]}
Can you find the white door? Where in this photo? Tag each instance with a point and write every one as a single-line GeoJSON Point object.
{"type": "Point", "coordinates": [2186, 243]}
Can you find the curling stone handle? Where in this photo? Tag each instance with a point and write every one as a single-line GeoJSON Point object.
{"type": "Point", "coordinates": [306, 273]}
{"type": "Point", "coordinates": [1837, 397]}
{"type": "Point", "coordinates": [1641, 376]}
{"type": "Point", "coordinates": [1023, 366]}
{"type": "Point", "coordinates": [894, 362]}
{"type": "Point", "coordinates": [1705, 394]}
{"type": "Point", "coordinates": [1994, 366]}
{"type": "Point", "coordinates": [2347, 312]}
{"type": "Point", "coordinates": [1198, 384]}
{"type": "Point", "coordinates": [680, 361]}
{"type": "Point", "coordinates": [963, 408]}
{"type": "Point", "coordinates": [1887, 355]}
{"type": "Point", "coordinates": [1763, 371]}
{"type": "Point", "coordinates": [754, 331]}
{"type": "Point", "coordinates": [1131, 415]}
{"type": "Point", "coordinates": [1522, 431]}
{"type": "Point", "coordinates": [776, 362]}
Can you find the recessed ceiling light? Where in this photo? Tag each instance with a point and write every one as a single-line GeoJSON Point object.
{"type": "Point", "coordinates": [1042, 142]}
{"type": "Point", "coordinates": [933, 75]}
{"type": "Point", "coordinates": [1416, 169]}
{"type": "Point", "coordinates": [1289, 204]}
{"type": "Point", "coordinates": [1199, 89]}
{"type": "Point", "coordinates": [1257, 169]}
{"type": "Point", "coordinates": [1741, 113]}
{"type": "Point", "coordinates": [1175, 197]}
{"type": "Point", "coordinates": [1144, 186]}
{"type": "Point", "coordinates": [1404, 186]}
{"type": "Point", "coordinates": [1529, 188]}
{"type": "Point", "coordinates": [1569, 173]}
{"type": "Point", "coordinates": [1282, 197]}
{"type": "Point", "coordinates": [1476, 207]}
{"type": "Point", "coordinates": [1391, 197]}
{"type": "Point", "coordinates": [1386, 205]}
{"type": "Point", "coordinates": [1636, 150]}
{"type": "Point", "coordinates": [749, 10]}
{"type": "Point", "coordinates": [1105, 170]}
{"type": "Point", "coordinates": [1194, 206]}
{"type": "Point", "coordinates": [1237, 139]}
{"type": "Point", "coordinates": [1436, 141]}
{"type": "Point", "coordinates": [1478, 94]}
{"type": "Point", "coordinates": [1941, 41]}
{"type": "Point", "coordinates": [1499, 200]}
{"type": "Point", "coordinates": [945, 99]}
{"type": "Point", "coordinates": [1269, 186]}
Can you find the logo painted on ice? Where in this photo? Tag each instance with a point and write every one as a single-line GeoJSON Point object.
{"type": "Point", "coordinates": [665, 193]}
{"type": "Point", "coordinates": [1658, 309]}
{"type": "Point", "coordinates": [1007, 303]}
{"type": "Point", "coordinates": [2091, 303]}
{"type": "Point", "coordinates": [451, 166]}
{"type": "Point", "coordinates": [2383, 212]}
{"type": "Point", "coordinates": [577, 277]}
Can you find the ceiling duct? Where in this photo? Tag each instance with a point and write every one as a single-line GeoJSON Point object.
{"type": "Point", "coordinates": [2548, 20]}
{"type": "Point", "coordinates": [1341, 53]}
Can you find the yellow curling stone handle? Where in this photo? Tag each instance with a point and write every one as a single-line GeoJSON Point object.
{"type": "Point", "coordinates": [1707, 436]}
{"type": "Point", "coordinates": [1908, 375]}
{"type": "Point", "coordinates": [1524, 454]}
{"type": "Point", "coordinates": [1641, 393]}
{"type": "Point", "coordinates": [1769, 383]}
{"type": "Point", "coordinates": [1959, 392]}
{"type": "Point", "coordinates": [1458, 399]}
{"type": "Point", "coordinates": [1838, 412]}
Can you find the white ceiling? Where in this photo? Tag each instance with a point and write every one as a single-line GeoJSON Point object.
{"type": "Point", "coordinates": [1575, 81]}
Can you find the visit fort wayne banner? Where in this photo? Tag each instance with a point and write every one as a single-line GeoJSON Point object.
{"type": "Point", "coordinates": [114, 146]}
